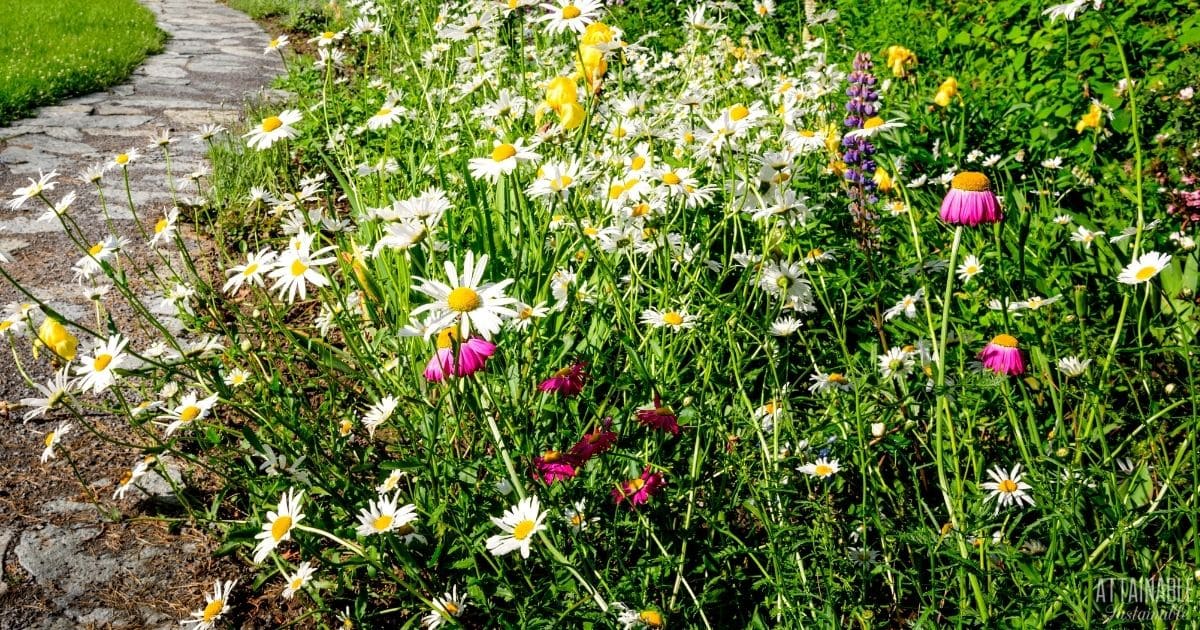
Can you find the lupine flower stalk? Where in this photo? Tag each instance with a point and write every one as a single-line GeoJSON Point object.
{"type": "Point", "coordinates": [858, 150]}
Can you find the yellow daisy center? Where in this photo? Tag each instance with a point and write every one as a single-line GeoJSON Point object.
{"type": "Point", "coordinates": [1007, 486]}
{"type": "Point", "coordinates": [446, 338]}
{"type": "Point", "coordinates": [122, 158]}
{"type": "Point", "coordinates": [298, 268]}
{"type": "Point", "coordinates": [327, 35]}
{"type": "Point", "coordinates": [213, 609]}
{"type": "Point", "coordinates": [651, 618]}
{"type": "Point", "coordinates": [670, 178]}
{"type": "Point", "coordinates": [296, 583]}
{"type": "Point", "coordinates": [637, 163]}
{"type": "Point", "coordinates": [189, 413]}
{"type": "Point", "coordinates": [561, 183]}
{"type": "Point", "coordinates": [571, 12]}
{"type": "Point", "coordinates": [250, 269]}
{"type": "Point", "coordinates": [837, 378]}
{"type": "Point", "coordinates": [274, 43]}
{"type": "Point", "coordinates": [383, 111]}
{"type": "Point", "coordinates": [503, 152]}
{"type": "Point", "coordinates": [970, 181]}
{"type": "Point", "coordinates": [50, 438]}
{"type": "Point", "coordinates": [161, 225]}
{"type": "Point", "coordinates": [451, 608]}
{"type": "Point", "coordinates": [382, 522]}
{"type": "Point", "coordinates": [872, 122]}
{"type": "Point", "coordinates": [823, 470]}
{"type": "Point", "coordinates": [101, 362]}
{"type": "Point", "coordinates": [672, 318]}
{"type": "Point", "coordinates": [281, 527]}
{"type": "Point", "coordinates": [523, 529]}
{"type": "Point", "coordinates": [640, 210]}
{"type": "Point", "coordinates": [1146, 272]}
{"type": "Point", "coordinates": [1008, 341]}
{"type": "Point", "coordinates": [738, 112]}
{"type": "Point", "coordinates": [126, 478]}
{"type": "Point", "coordinates": [271, 124]}
{"type": "Point", "coordinates": [96, 249]}
{"type": "Point", "coordinates": [463, 300]}
{"type": "Point", "coordinates": [577, 519]}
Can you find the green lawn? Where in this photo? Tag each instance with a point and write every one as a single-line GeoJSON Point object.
{"type": "Point", "coordinates": [53, 49]}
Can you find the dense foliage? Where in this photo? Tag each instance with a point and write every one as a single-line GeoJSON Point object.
{"type": "Point", "coordinates": [781, 318]}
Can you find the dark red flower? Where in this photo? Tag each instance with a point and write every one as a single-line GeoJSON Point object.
{"type": "Point", "coordinates": [639, 489]}
{"type": "Point", "coordinates": [594, 442]}
{"type": "Point", "coordinates": [567, 381]}
{"type": "Point", "coordinates": [659, 417]}
{"type": "Point", "coordinates": [554, 466]}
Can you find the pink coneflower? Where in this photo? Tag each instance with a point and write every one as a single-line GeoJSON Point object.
{"type": "Point", "coordinates": [567, 381]}
{"type": "Point", "coordinates": [1002, 356]}
{"type": "Point", "coordinates": [440, 364]}
{"type": "Point", "coordinates": [472, 355]}
{"type": "Point", "coordinates": [970, 201]}
{"type": "Point", "coordinates": [659, 417]}
{"type": "Point", "coordinates": [639, 490]}
{"type": "Point", "coordinates": [594, 443]}
{"type": "Point", "coordinates": [554, 466]}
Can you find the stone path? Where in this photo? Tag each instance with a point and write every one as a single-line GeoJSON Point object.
{"type": "Point", "coordinates": [64, 565]}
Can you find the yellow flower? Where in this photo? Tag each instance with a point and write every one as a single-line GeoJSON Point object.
{"type": "Point", "coordinates": [883, 180]}
{"type": "Point", "coordinates": [570, 115]}
{"type": "Point", "coordinates": [900, 59]}
{"type": "Point", "coordinates": [597, 33]}
{"type": "Point", "coordinates": [947, 92]}
{"type": "Point", "coordinates": [591, 66]}
{"type": "Point", "coordinates": [561, 91]}
{"type": "Point", "coordinates": [1090, 120]}
{"type": "Point", "coordinates": [56, 337]}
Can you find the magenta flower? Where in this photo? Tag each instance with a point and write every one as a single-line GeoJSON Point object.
{"type": "Point", "coordinates": [659, 417]}
{"type": "Point", "coordinates": [594, 443]}
{"type": "Point", "coordinates": [1002, 356]}
{"type": "Point", "coordinates": [471, 357]}
{"type": "Point", "coordinates": [554, 466]}
{"type": "Point", "coordinates": [440, 364]}
{"type": "Point", "coordinates": [473, 354]}
{"type": "Point", "coordinates": [639, 489]}
{"type": "Point", "coordinates": [970, 201]}
{"type": "Point", "coordinates": [567, 381]}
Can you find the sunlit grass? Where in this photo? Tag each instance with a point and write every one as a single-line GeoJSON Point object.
{"type": "Point", "coordinates": [53, 49]}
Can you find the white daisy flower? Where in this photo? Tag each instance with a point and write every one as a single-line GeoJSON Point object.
{"type": "Point", "coordinates": [479, 307]}
{"type": "Point", "coordinates": [52, 439]}
{"type": "Point", "coordinates": [572, 15]}
{"type": "Point", "coordinates": [385, 515]}
{"type": "Point", "coordinates": [1143, 268]}
{"type": "Point", "coordinates": [504, 160]}
{"type": "Point", "coordinates": [379, 413]}
{"type": "Point", "coordinates": [519, 523]}
{"type": "Point", "coordinates": [273, 129]}
{"type": "Point", "coordinates": [278, 526]}
{"type": "Point", "coordinates": [969, 268]}
{"type": "Point", "coordinates": [1007, 487]}
{"type": "Point", "coordinates": [297, 580]}
{"type": "Point", "coordinates": [448, 606]}
{"type": "Point", "coordinates": [190, 409]}
{"type": "Point", "coordinates": [674, 319]}
{"type": "Point", "coordinates": [217, 604]}
{"type": "Point", "coordinates": [97, 372]}
{"type": "Point", "coordinates": [822, 468]}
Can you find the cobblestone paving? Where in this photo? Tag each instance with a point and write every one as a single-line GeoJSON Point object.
{"type": "Point", "coordinates": [64, 565]}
